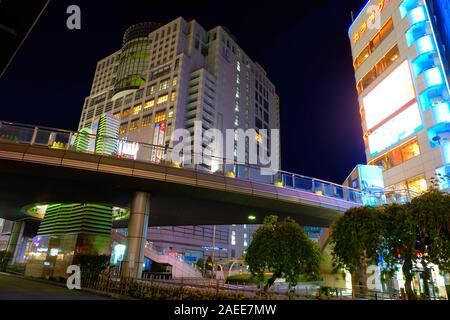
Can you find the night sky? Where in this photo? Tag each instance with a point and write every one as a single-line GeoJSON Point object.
{"type": "Point", "coordinates": [303, 47]}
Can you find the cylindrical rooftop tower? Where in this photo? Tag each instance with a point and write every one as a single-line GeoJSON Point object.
{"type": "Point", "coordinates": [134, 58]}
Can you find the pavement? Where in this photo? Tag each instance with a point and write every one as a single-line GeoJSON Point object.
{"type": "Point", "coordinates": [14, 287]}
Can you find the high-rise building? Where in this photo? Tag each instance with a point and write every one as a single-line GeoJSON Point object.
{"type": "Point", "coordinates": [165, 77]}
{"type": "Point", "coordinates": [398, 50]}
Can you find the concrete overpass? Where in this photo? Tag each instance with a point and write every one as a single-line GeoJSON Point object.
{"type": "Point", "coordinates": [43, 165]}
{"type": "Point", "coordinates": [34, 173]}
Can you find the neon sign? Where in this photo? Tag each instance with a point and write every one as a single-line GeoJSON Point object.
{"type": "Point", "coordinates": [370, 23]}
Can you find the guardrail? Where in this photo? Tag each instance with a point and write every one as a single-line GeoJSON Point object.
{"type": "Point", "coordinates": [119, 148]}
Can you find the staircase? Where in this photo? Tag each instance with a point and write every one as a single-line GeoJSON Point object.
{"type": "Point", "coordinates": [180, 269]}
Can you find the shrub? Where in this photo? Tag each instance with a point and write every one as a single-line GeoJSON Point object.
{"type": "Point", "coordinates": [4, 259]}
{"type": "Point", "coordinates": [92, 264]}
{"type": "Point", "coordinates": [180, 293]}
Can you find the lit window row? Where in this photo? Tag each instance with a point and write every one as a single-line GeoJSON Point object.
{"type": "Point", "coordinates": [160, 117]}
{"type": "Point", "coordinates": [373, 44]}
{"type": "Point", "coordinates": [417, 184]}
{"type": "Point", "coordinates": [137, 109]}
{"type": "Point", "coordinates": [163, 85]}
{"type": "Point", "coordinates": [398, 155]}
{"type": "Point", "coordinates": [149, 104]}
{"type": "Point", "coordinates": [378, 69]}
{"type": "Point", "coordinates": [134, 125]}
{"type": "Point", "coordinates": [162, 99]}
{"type": "Point", "coordinates": [145, 122]}
{"type": "Point", "coordinates": [126, 113]}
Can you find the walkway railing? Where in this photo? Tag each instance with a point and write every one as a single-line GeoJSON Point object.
{"type": "Point", "coordinates": [84, 142]}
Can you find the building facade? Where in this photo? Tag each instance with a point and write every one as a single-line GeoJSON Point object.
{"type": "Point", "coordinates": [399, 59]}
{"type": "Point", "coordinates": [167, 77]}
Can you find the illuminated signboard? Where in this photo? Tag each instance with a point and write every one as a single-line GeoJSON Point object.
{"type": "Point", "coordinates": [94, 129]}
{"type": "Point", "coordinates": [370, 21]}
{"type": "Point", "coordinates": [162, 131]}
{"type": "Point", "coordinates": [390, 95]}
{"type": "Point", "coordinates": [158, 140]}
{"type": "Point", "coordinates": [398, 128]}
{"type": "Point", "coordinates": [118, 253]}
{"type": "Point", "coordinates": [128, 150]}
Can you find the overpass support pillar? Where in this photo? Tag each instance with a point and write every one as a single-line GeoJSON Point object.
{"type": "Point", "coordinates": [15, 239]}
{"type": "Point", "coordinates": [137, 235]}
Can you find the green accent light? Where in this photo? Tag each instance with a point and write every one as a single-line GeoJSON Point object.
{"type": "Point", "coordinates": [251, 217]}
{"type": "Point", "coordinates": [75, 218]}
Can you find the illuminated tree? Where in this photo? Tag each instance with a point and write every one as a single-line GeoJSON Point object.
{"type": "Point", "coordinates": [283, 248]}
{"type": "Point", "coordinates": [355, 239]}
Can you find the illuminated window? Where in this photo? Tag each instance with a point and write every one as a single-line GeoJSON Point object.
{"type": "Point", "coordinates": [379, 68]}
{"type": "Point", "coordinates": [373, 44]}
{"type": "Point", "coordinates": [126, 113]}
{"type": "Point", "coordinates": [395, 130]}
{"type": "Point", "coordinates": [238, 79]}
{"type": "Point", "coordinates": [164, 84]}
{"type": "Point", "coordinates": [149, 104]}
{"type": "Point", "coordinates": [259, 138]}
{"type": "Point", "coordinates": [174, 81]}
{"type": "Point", "coordinates": [160, 117]}
{"type": "Point", "coordinates": [117, 115]}
{"type": "Point", "coordinates": [173, 96]}
{"type": "Point", "coordinates": [365, 53]}
{"type": "Point", "coordinates": [410, 150]}
{"type": "Point", "coordinates": [134, 125]}
{"type": "Point", "coordinates": [238, 67]}
{"type": "Point", "coordinates": [146, 121]}
{"type": "Point", "coordinates": [416, 184]}
{"type": "Point", "coordinates": [170, 114]}
{"type": "Point", "coordinates": [398, 155]}
{"type": "Point", "coordinates": [162, 99]}
{"type": "Point", "coordinates": [137, 109]}
{"type": "Point", "coordinates": [233, 238]}
{"type": "Point", "coordinates": [380, 36]}
{"type": "Point", "coordinates": [123, 128]}
{"type": "Point", "coordinates": [150, 90]}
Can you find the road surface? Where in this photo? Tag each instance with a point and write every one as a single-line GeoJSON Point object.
{"type": "Point", "coordinates": [17, 288]}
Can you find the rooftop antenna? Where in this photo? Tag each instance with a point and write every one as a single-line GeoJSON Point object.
{"type": "Point", "coordinates": [353, 17]}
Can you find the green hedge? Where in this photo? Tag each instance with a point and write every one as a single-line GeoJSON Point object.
{"type": "Point", "coordinates": [250, 279]}
{"type": "Point", "coordinates": [180, 293]}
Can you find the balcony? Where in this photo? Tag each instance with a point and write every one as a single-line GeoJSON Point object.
{"type": "Point", "coordinates": [429, 78]}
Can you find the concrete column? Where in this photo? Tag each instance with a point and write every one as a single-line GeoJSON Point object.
{"type": "Point", "coordinates": [15, 239]}
{"type": "Point", "coordinates": [137, 235]}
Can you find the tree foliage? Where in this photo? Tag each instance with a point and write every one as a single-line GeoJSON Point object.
{"type": "Point", "coordinates": [399, 242]}
{"type": "Point", "coordinates": [402, 234]}
{"type": "Point", "coordinates": [93, 264]}
{"type": "Point", "coordinates": [356, 238]}
{"type": "Point", "coordinates": [430, 213]}
{"type": "Point", "coordinates": [282, 247]}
